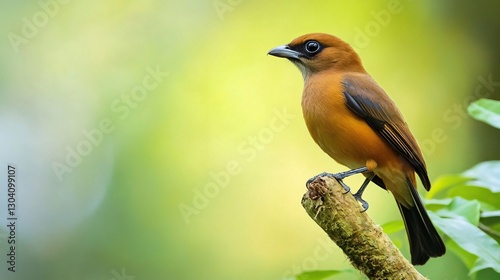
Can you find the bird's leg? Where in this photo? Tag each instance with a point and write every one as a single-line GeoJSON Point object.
{"type": "Point", "coordinates": [359, 193]}
{"type": "Point", "coordinates": [340, 176]}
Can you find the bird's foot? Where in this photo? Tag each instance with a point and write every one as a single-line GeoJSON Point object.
{"type": "Point", "coordinates": [337, 176]}
{"type": "Point", "coordinates": [358, 195]}
{"type": "Point", "coordinates": [363, 202]}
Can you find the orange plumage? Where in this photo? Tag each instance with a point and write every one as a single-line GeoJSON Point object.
{"type": "Point", "coordinates": [355, 122]}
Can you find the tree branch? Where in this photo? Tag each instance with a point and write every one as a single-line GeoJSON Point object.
{"type": "Point", "coordinates": [368, 248]}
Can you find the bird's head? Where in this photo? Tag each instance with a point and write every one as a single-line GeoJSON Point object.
{"type": "Point", "coordinates": [316, 52]}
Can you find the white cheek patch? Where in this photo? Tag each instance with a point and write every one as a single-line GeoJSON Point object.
{"type": "Point", "coordinates": [306, 72]}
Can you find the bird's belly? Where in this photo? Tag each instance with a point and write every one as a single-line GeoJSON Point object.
{"type": "Point", "coordinates": [350, 141]}
{"type": "Point", "coordinates": [355, 146]}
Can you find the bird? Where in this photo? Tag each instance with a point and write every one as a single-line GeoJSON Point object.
{"type": "Point", "coordinates": [357, 124]}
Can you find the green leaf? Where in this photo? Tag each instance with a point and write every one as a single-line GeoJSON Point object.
{"type": "Point", "coordinates": [472, 240]}
{"type": "Point", "coordinates": [317, 274]}
{"type": "Point", "coordinates": [436, 204]}
{"type": "Point", "coordinates": [394, 226]}
{"type": "Point", "coordinates": [486, 274]}
{"type": "Point", "coordinates": [486, 175]}
{"type": "Point", "coordinates": [490, 214]}
{"type": "Point", "coordinates": [441, 202]}
{"type": "Point", "coordinates": [489, 201]}
{"type": "Point", "coordinates": [459, 207]}
{"type": "Point", "coordinates": [467, 258]}
{"type": "Point", "coordinates": [480, 264]}
{"type": "Point", "coordinates": [486, 110]}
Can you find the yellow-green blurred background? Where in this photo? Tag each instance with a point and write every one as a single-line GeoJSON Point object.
{"type": "Point", "coordinates": [192, 149]}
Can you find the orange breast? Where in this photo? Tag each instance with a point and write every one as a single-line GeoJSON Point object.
{"type": "Point", "coordinates": [345, 137]}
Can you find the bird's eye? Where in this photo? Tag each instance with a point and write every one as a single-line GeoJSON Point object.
{"type": "Point", "coordinates": [312, 47]}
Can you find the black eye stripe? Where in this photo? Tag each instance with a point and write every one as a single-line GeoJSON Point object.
{"type": "Point", "coordinates": [308, 49]}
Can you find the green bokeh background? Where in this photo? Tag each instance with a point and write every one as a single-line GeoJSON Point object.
{"type": "Point", "coordinates": [117, 212]}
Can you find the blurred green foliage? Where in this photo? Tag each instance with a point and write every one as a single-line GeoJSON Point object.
{"type": "Point", "coordinates": [198, 174]}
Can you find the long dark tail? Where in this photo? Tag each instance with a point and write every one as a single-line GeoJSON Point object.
{"type": "Point", "coordinates": [424, 240]}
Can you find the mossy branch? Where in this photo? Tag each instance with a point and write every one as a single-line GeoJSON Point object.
{"type": "Point", "coordinates": [368, 248]}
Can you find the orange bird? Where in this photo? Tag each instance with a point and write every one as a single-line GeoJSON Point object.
{"type": "Point", "coordinates": [356, 123]}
